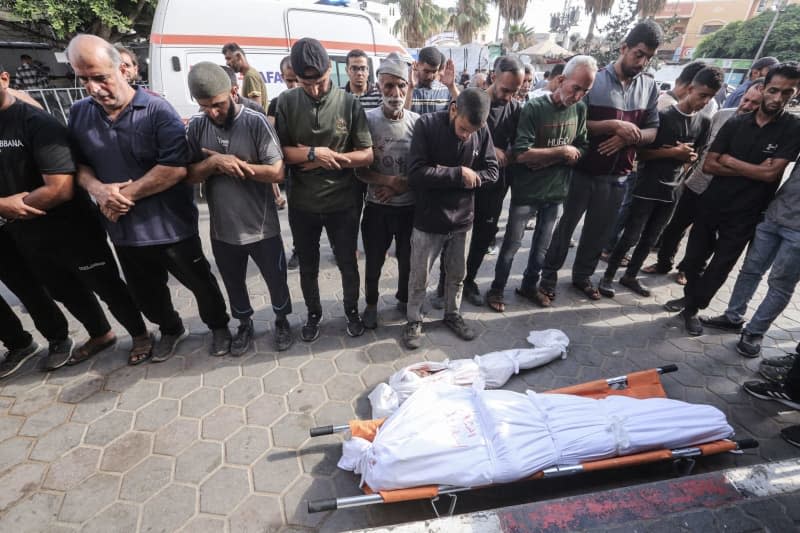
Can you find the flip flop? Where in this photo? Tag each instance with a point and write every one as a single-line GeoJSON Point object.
{"type": "Point", "coordinates": [89, 349]}
{"type": "Point", "coordinates": [588, 290]}
{"type": "Point", "coordinates": [494, 299]}
{"type": "Point", "coordinates": [141, 350]}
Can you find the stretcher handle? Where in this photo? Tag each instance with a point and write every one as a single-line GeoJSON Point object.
{"type": "Point", "coordinates": [666, 369]}
{"type": "Point", "coordinates": [327, 430]}
{"type": "Point", "coordinates": [746, 444]}
{"type": "Point", "coordinates": [319, 506]}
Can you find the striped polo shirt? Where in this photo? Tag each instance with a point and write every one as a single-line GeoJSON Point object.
{"type": "Point", "coordinates": [430, 99]}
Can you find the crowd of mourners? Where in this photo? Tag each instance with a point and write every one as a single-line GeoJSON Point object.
{"type": "Point", "coordinates": [414, 159]}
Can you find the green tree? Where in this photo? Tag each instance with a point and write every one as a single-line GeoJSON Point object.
{"type": "Point", "coordinates": [419, 20]}
{"type": "Point", "coordinates": [741, 39]}
{"type": "Point", "coordinates": [511, 11]}
{"type": "Point", "coordinates": [469, 17]}
{"type": "Point", "coordinates": [113, 20]}
{"type": "Point", "coordinates": [520, 33]}
{"type": "Point", "coordinates": [594, 8]}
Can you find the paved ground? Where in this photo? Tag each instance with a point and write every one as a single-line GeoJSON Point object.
{"type": "Point", "coordinates": [222, 444]}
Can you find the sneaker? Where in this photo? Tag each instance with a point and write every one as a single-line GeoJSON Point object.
{"type": "Point", "coordinates": [635, 285]}
{"type": "Point", "coordinates": [370, 316]}
{"type": "Point", "coordinates": [310, 331]}
{"type": "Point", "coordinates": [784, 361]}
{"type": "Point", "coordinates": [282, 339]}
{"type": "Point", "coordinates": [606, 287]}
{"type": "Point", "coordinates": [58, 354]}
{"type": "Point", "coordinates": [692, 324]}
{"type": "Point", "coordinates": [530, 224]}
{"type": "Point", "coordinates": [492, 250]}
{"type": "Point", "coordinates": [749, 345]}
{"type": "Point", "coordinates": [166, 345]}
{"type": "Point", "coordinates": [676, 305]}
{"type": "Point", "coordinates": [412, 335]}
{"type": "Point", "coordinates": [791, 435]}
{"type": "Point", "coordinates": [473, 294]}
{"type": "Point", "coordinates": [14, 359]}
{"type": "Point", "coordinates": [457, 325]}
{"type": "Point", "coordinates": [773, 374]}
{"type": "Point", "coordinates": [220, 342]}
{"type": "Point", "coordinates": [243, 338]}
{"type": "Point", "coordinates": [355, 326]}
{"type": "Point", "coordinates": [771, 391]}
{"type": "Point", "coordinates": [722, 322]}
{"type": "Point", "coordinates": [294, 262]}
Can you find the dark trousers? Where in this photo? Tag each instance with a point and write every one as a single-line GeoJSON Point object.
{"type": "Point", "coordinates": [623, 213]}
{"type": "Point", "coordinates": [488, 205]}
{"type": "Point", "coordinates": [600, 198]}
{"type": "Point", "coordinates": [342, 230]}
{"type": "Point", "coordinates": [723, 233]}
{"type": "Point", "coordinates": [379, 226]}
{"type": "Point", "coordinates": [18, 276]}
{"type": "Point", "coordinates": [147, 270]}
{"type": "Point", "coordinates": [792, 382]}
{"type": "Point", "coordinates": [645, 220]}
{"type": "Point", "coordinates": [73, 261]}
{"type": "Point", "coordinates": [270, 259]}
{"type": "Point", "coordinates": [671, 238]}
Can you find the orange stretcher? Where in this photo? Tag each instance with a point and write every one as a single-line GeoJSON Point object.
{"type": "Point", "coordinates": [643, 384]}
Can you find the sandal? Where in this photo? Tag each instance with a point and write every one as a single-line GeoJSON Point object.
{"type": "Point", "coordinates": [680, 278]}
{"type": "Point", "coordinates": [141, 350]}
{"type": "Point", "coordinates": [655, 268]}
{"type": "Point", "coordinates": [588, 290]}
{"type": "Point", "coordinates": [91, 348]}
{"type": "Point", "coordinates": [495, 300]}
{"type": "Point", "coordinates": [538, 296]}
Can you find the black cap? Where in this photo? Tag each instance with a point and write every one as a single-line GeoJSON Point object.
{"type": "Point", "coordinates": [309, 53]}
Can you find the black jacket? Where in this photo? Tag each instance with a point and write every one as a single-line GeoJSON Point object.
{"type": "Point", "coordinates": [443, 204]}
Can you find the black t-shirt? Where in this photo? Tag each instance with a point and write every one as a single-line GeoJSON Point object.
{"type": "Point", "coordinates": [272, 109]}
{"type": "Point", "coordinates": [742, 138]}
{"type": "Point", "coordinates": [33, 143]}
{"type": "Point", "coordinates": [657, 178]}
{"type": "Point", "coordinates": [502, 122]}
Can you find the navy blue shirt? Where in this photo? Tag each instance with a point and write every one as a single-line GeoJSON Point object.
{"type": "Point", "coordinates": [147, 133]}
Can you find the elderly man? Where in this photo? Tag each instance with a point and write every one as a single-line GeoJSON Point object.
{"type": "Point", "coordinates": [253, 86]}
{"type": "Point", "coordinates": [452, 154]}
{"type": "Point", "coordinates": [132, 155]}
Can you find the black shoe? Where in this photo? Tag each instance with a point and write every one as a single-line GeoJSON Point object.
{"type": "Point", "coordinates": [14, 359]}
{"type": "Point", "coordinates": [456, 323]}
{"type": "Point", "coordinates": [473, 294]}
{"type": "Point", "coordinates": [771, 391]}
{"type": "Point", "coordinates": [773, 374]}
{"type": "Point", "coordinates": [283, 338]}
{"type": "Point", "coordinates": [310, 331]}
{"type": "Point", "coordinates": [412, 335]}
{"type": "Point", "coordinates": [370, 316]}
{"type": "Point", "coordinates": [355, 326]}
{"type": "Point", "coordinates": [243, 338]}
{"type": "Point", "coordinates": [749, 345]}
{"type": "Point", "coordinates": [722, 322]}
{"type": "Point", "coordinates": [58, 354]}
{"type": "Point", "coordinates": [635, 285]}
{"type": "Point", "coordinates": [166, 345]}
{"type": "Point", "coordinates": [784, 361]}
{"type": "Point", "coordinates": [792, 435]}
{"type": "Point", "coordinates": [606, 287]}
{"type": "Point", "coordinates": [676, 305]}
{"type": "Point", "coordinates": [692, 324]}
{"type": "Point", "coordinates": [220, 342]}
{"type": "Point", "coordinates": [294, 262]}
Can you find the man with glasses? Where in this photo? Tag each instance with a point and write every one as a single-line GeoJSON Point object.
{"type": "Point", "coordinates": [359, 86]}
{"type": "Point", "coordinates": [324, 134]}
{"type": "Point", "coordinates": [132, 154]}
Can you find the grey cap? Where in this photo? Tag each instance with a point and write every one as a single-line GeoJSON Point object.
{"type": "Point", "coordinates": [207, 80]}
{"type": "Point", "coordinates": [764, 62]}
{"type": "Point", "coordinates": [394, 68]}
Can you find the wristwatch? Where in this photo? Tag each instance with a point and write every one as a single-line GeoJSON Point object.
{"type": "Point", "coordinates": [311, 156]}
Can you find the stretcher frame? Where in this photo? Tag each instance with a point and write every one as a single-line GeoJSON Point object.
{"type": "Point", "coordinates": [642, 384]}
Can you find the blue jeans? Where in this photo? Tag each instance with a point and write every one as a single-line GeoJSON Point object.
{"type": "Point", "coordinates": [776, 246]}
{"type": "Point", "coordinates": [546, 214]}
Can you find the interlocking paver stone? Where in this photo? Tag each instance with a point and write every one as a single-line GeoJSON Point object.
{"type": "Point", "coordinates": [125, 378]}
{"type": "Point", "coordinates": [222, 423]}
{"type": "Point", "coordinates": [317, 371]}
{"type": "Point", "coordinates": [125, 452]}
{"type": "Point", "coordinates": [94, 406]}
{"type": "Point", "coordinates": [32, 515]}
{"type": "Point", "coordinates": [179, 386]}
{"type": "Point", "coordinates": [280, 381]}
{"type": "Point", "coordinates": [82, 502]}
{"type": "Point", "coordinates": [221, 375]}
{"type": "Point", "coordinates": [275, 471]}
{"type": "Point", "coordinates": [294, 500]}
{"type": "Point", "coordinates": [265, 410]}
{"type": "Point", "coordinates": [138, 395]}
{"type": "Point", "coordinates": [43, 421]}
{"type": "Point", "coordinates": [156, 415]}
{"type": "Point", "coordinates": [344, 387]}
{"type": "Point", "coordinates": [79, 390]}
{"type": "Point", "coordinates": [14, 451]}
{"type": "Point", "coordinates": [259, 365]}
{"type": "Point", "coordinates": [71, 469]}
{"type": "Point", "coordinates": [9, 426]}
{"type": "Point", "coordinates": [147, 478]}
{"type": "Point", "coordinates": [204, 524]}
{"type": "Point", "coordinates": [198, 461]}
{"type": "Point", "coordinates": [33, 400]}
{"type": "Point", "coordinates": [292, 430]}
{"type": "Point", "coordinates": [169, 509]}
{"type": "Point", "coordinates": [223, 491]}
{"type": "Point", "coordinates": [256, 515]}
{"type": "Point", "coordinates": [200, 402]}
{"type": "Point", "coordinates": [57, 442]}
{"type": "Point", "coordinates": [242, 391]}
{"type": "Point", "coordinates": [352, 361]}
{"type": "Point", "coordinates": [118, 518]}
{"type": "Point", "coordinates": [247, 445]}
{"type": "Point", "coordinates": [305, 398]}
{"type": "Point", "coordinates": [176, 436]}
{"type": "Point", "coordinates": [108, 428]}
{"type": "Point", "coordinates": [18, 482]}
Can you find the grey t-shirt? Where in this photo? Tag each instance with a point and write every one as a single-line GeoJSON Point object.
{"type": "Point", "coordinates": [391, 142]}
{"type": "Point", "coordinates": [242, 210]}
{"type": "Point", "coordinates": [785, 207]}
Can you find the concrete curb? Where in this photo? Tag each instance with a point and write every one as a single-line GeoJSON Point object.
{"type": "Point", "coordinates": [612, 508]}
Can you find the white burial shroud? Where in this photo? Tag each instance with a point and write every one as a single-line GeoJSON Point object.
{"type": "Point", "coordinates": [450, 435]}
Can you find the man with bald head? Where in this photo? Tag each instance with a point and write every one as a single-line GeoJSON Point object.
{"type": "Point", "coordinates": [132, 154]}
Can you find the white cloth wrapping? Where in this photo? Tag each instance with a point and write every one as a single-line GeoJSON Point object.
{"type": "Point", "coordinates": [492, 370]}
{"type": "Point", "coordinates": [463, 436]}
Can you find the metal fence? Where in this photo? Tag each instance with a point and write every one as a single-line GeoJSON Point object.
{"type": "Point", "coordinates": [58, 101]}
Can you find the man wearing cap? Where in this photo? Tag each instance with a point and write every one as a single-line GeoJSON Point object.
{"type": "Point", "coordinates": [389, 211]}
{"type": "Point", "coordinates": [758, 70]}
{"type": "Point", "coordinates": [234, 151]}
{"type": "Point", "coordinates": [132, 155]}
{"type": "Point", "coordinates": [324, 135]}
{"type": "Point", "coordinates": [452, 154]}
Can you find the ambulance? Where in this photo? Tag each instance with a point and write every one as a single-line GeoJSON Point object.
{"type": "Point", "coordinates": [186, 32]}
